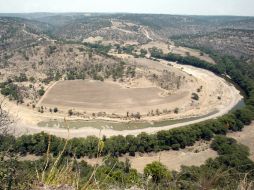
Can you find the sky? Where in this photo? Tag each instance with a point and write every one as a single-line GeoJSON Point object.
{"type": "Point", "coordinates": [186, 7]}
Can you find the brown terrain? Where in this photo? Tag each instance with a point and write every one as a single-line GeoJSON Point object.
{"type": "Point", "coordinates": [97, 70]}
{"type": "Point", "coordinates": [88, 67]}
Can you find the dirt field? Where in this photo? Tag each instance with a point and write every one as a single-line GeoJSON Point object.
{"type": "Point", "coordinates": [94, 96]}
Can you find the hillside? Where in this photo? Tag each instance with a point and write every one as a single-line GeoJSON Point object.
{"type": "Point", "coordinates": [126, 101]}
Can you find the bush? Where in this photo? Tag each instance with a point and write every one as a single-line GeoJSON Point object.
{"type": "Point", "coordinates": [21, 78]}
{"type": "Point", "coordinates": [158, 172]}
{"type": "Point", "coordinates": [41, 92]}
{"type": "Point", "coordinates": [70, 112]}
{"type": "Point", "coordinates": [176, 146]}
{"type": "Point", "coordinates": [195, 96]}
{"type": "Point", "coordinates": [176, 110]}
{"type": "Point", "coordinates": [11, 90]}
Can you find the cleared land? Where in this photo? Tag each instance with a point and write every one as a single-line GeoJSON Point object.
{"type": "Point", "coordinates": [94, 96]}
{"type": "Point", "coordinates": [191, 156]}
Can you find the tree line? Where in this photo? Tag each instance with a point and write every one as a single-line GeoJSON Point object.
{"type": "Point", "coordinates": [227, 171]}
{"type": "Point", "coordinates": [118, 145]}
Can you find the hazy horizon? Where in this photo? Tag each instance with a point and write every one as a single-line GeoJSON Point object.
{"type": "Point", "coordinates": [181, 7]}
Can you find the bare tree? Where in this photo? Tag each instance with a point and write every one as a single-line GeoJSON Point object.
{"type": "Point", "coordinates": [8, 159]}
{"type": "Point", "coordinates": [5, 120]}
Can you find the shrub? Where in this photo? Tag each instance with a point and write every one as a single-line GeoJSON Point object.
{"type": "Point", "coordinates": [195, 96]}
{"type": "Point", "coordinates": [158, 172]}
{"type": "Point", "coordinates": [41, 92]}
{"type": "Point", "coordinates": [70, 112]}
{"type": "Point", "coordinates": [55, 110]}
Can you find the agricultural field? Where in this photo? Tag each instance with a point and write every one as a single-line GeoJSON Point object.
{"type": "Point", "coordinates": [106, 97]}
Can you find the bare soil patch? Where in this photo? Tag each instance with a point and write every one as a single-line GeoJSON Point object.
{"type": "Point", "coordinates": [94, 96]}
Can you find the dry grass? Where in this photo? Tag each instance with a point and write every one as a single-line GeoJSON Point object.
{"type": "Point", "coordinates": [62, 176]}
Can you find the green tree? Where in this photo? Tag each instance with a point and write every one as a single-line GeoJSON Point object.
{"type": "Point", "coordinates": [158, 172]}
{"type": "Point", "coordinates": [41, 92]}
